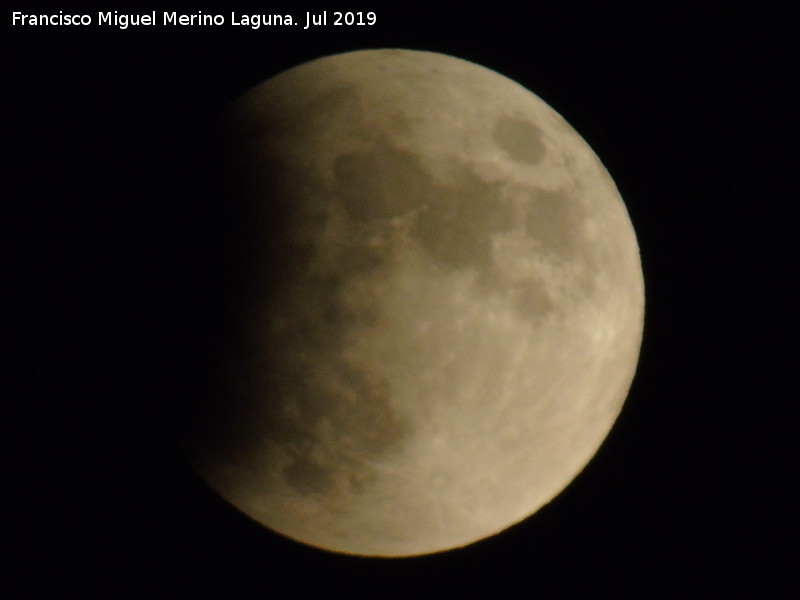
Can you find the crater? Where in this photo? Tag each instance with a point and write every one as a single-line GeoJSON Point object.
{"type": "Point", "coordinates": [530, 299]}
{"type": "Point", "coordinates": [453, 221]}
{"type": "Point", "coordinates": [306, 476]}
{"type": "Point", "coordinates": [381, 183]}
{"type": "Point", "coordinates": [521, 140]}
{"type": "Point", "coordinates": [556, 220]}
{"type": "Point", "coordinates": [358, 405]}
{"type": "Point", "coordinates": [324, 408]}
{"type": "Point", "coordinates": [457, 221]}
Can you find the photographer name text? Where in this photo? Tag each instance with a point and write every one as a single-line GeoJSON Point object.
{"type": "Point", "coordinates": [308, 20]}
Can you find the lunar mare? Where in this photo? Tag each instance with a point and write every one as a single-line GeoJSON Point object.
{"type": "Point", "coordinates": [441, 324]}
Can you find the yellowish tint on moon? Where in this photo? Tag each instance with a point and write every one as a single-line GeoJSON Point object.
{"type": "Point", "coordinates": [446, 324]}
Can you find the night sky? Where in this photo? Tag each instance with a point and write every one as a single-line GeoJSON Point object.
{"type": "Point", "coordinates": [122, 255]}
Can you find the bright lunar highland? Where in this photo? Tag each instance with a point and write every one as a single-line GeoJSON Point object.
{"type": "Point", "coordinates": [443, 311]}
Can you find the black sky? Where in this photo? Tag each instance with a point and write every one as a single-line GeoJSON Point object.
{"type": "Point", "coordinates": [121, 254]}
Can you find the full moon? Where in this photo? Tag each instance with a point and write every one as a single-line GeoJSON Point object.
{"type": "Point", "coordinates": [442, 312]}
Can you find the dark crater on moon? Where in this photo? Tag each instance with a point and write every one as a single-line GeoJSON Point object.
{"type": "Point", "coordinates": [555, 219]}
{"type": "Point", "coordinates": [381, 183]}
{"type": "Point", "coordinates": [328, 415]}
{"type": "Point", "coordinates": [354, 405]}
{"type": "Point", "coordinates": [520, 139]}
{"type": "Point", "coordinates": [453, 222]}
{"type": "Point", "coordinates": [531, 300]}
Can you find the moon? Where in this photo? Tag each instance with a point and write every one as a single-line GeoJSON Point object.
{"type": "Point", "coordinates": [443, 306]}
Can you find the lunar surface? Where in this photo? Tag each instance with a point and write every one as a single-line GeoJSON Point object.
{"type": "Point", "coordinates": [444, 306]}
